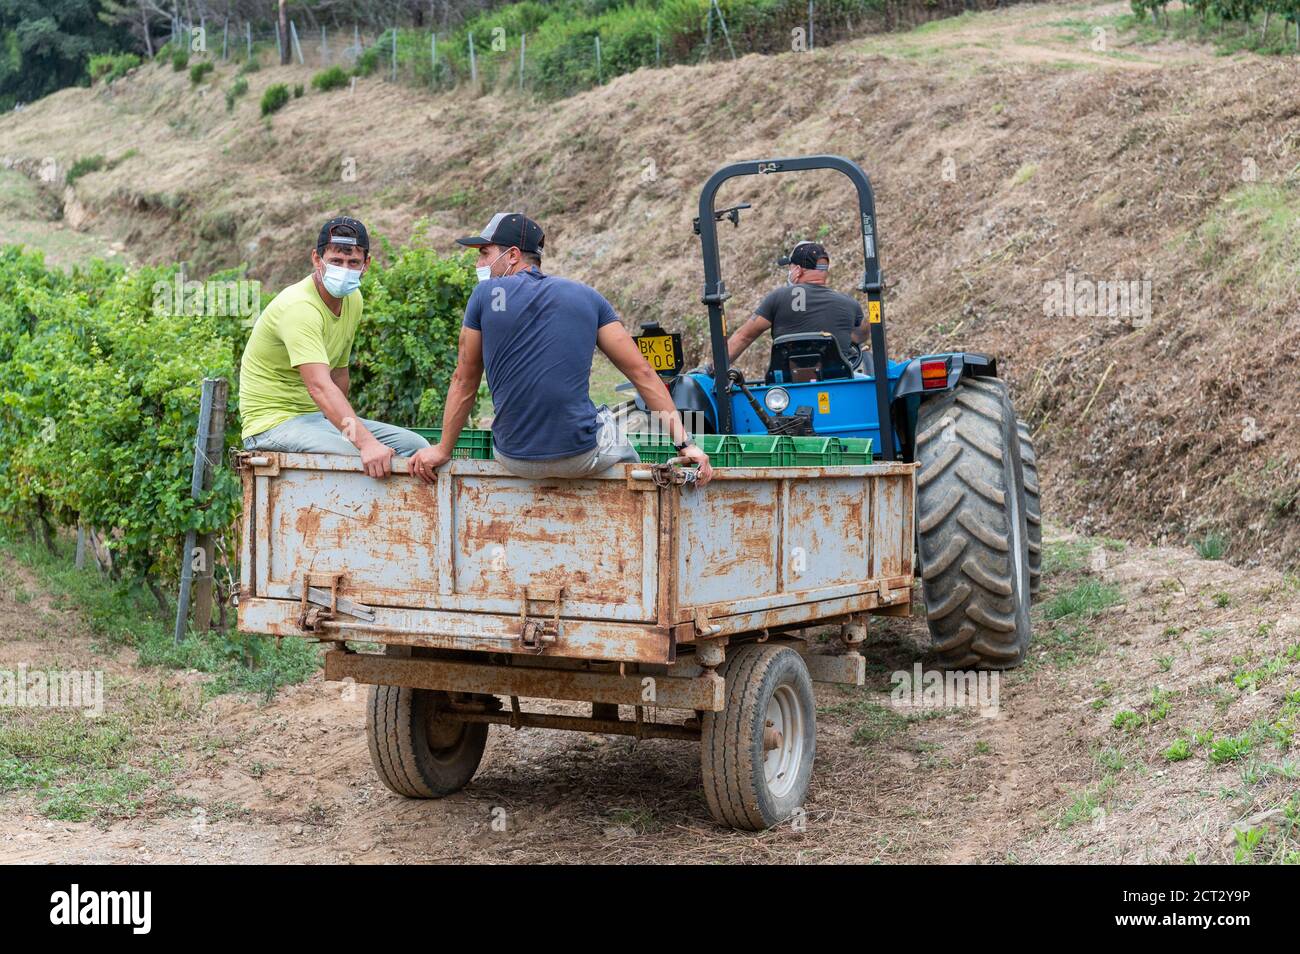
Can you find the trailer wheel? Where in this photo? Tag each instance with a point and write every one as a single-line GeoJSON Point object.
{"type": "Point", "coordinates": [972, 509]}
{"type": "Point", "coordinates": [417, 751]}
{"type": "Point", "coordinates": [1033, 508]}
{"type": "Point", "coordinates": [756, 755]}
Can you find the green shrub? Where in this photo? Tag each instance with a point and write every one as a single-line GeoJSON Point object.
{"type": "Point", "coordinates": [297, 91]}
{"type": "Point", "coordinates": [250, 66]}
{"type": "Point", "coordinates": [83, 166]}
{"type": "Point", "coordinates": [100, 375]}
{"type": "Point", "coordinates": [237, 89]}
{"type": "Point", "coordinates": [274, 98]}
{"type": "Point", "coordinates": [180, 60]}
{"type": "Point", "coordinates": [405, 349]}
{"type": "Point", "coordinates": [333, 78]}
{"type": "Point", "coordinates": [200, 70]}
{"type": "Point", "coordinates": [111, 66]}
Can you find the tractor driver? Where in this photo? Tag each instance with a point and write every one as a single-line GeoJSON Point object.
{"type": "Point", "coordinates": [804, 304]}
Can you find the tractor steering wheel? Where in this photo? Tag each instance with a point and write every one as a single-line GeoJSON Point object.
{"type": "Point", "coordinates": [855, 356]}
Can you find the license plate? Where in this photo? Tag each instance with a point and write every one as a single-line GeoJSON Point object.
{"type": "Point", "coordinates": [660, 351]}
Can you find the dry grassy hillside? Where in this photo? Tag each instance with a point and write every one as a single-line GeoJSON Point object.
{"type": "Point", "coordinates": [1164, 163]}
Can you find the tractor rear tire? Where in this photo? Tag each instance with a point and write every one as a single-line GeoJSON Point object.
{"type": "Point", "coordinates": [972, 527]}
{"type": "Point", "coordinates": [756, 755]}
{"type": "Point", "coordinates": [1033, 509]}
{"type": "Point", "coordinates": [418, 751]}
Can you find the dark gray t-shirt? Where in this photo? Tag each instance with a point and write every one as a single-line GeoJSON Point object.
{"type": "Point", "coordinates": [539, 335]}
{"type": "Point", "coordinates": [800, 309]}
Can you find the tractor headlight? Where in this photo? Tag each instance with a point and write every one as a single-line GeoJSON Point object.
{"type": "Point", "coordinates": [777, 400]}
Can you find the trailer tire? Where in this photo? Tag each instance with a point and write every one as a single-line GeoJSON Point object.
{"type": "Point", "coordinates": [971, 523]}
{"type": "Point", "coordinates": [417, 753]}
{"type": "Point", "coordinates": [769, 700]}
{"type": "Point", "coordinates": [1033, 509]}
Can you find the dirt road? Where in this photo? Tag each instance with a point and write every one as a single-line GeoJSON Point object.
{"type": "Point", "coordinates": [1082, 763]}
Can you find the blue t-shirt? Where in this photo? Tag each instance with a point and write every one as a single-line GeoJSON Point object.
{"type": "Point", "coordinates": [539, 334]}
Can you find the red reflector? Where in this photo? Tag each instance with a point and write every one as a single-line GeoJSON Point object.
{"type": "Point", "coordinates": [934, 374]}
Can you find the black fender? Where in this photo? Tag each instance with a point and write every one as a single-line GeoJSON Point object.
{"type": "Point", "coordinates": [690, 398]}
{"type": "Point", "coordinates": [910, 392]}
{"type": "Point", "coordinates": [960, 364]}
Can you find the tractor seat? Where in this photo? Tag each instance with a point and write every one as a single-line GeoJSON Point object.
{"type": "Point", "coordinates": [809, 356]}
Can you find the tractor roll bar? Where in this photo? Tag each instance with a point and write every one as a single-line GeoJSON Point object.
{"type": "Point", "coordinates": [715, 290]}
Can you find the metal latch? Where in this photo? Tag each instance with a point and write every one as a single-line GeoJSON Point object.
{"type": "Point", "coordinates": [534, 631]}
{"type": "Point", "coordinates": [317, 605]}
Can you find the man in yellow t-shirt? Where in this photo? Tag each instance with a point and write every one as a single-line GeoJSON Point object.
{"type": "Point", "coordinates": [293, 378]}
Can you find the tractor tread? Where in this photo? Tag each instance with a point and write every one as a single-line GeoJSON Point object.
{"type": "Point", "coordinates": [967, 544]}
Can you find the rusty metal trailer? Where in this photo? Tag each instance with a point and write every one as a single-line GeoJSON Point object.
{"type": "Point", "coordinates": [624, 589]}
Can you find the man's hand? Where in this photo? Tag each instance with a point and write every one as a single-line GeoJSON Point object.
{"type": "Point", "coordinates": [376, 458]}
{"type": "Point", "coordinates": [699, 457]}
{"type": "Point", "coordinates": [427, 460]}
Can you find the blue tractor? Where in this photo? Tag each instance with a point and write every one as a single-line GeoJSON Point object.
{"type": "Point", "coordinates": [978, 517]}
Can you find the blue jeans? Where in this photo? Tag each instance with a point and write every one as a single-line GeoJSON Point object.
{"type": "Point", "coordinates": [313, 434]}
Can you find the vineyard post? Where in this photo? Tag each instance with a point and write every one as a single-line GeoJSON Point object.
{"type": "Point", "coordinates": [599, 78]}
{"type": "Point", "coordinates": [81, 544]}
{"type": "Point", "coordinates": [297, 47]}
{"type": "Point", "coordinates": [248, 37]}
{"type": "Point", "coordinates": [212, 405]}
{"type": "Point", "coordinates": [205, 583]}
{"type": "Point", "coordinates": [433, 59]}
{"type": "Point", "coordinates": [523, 43]}
{"type": "Point", "coordinates": [225, 38]}
{"type": "Point", "coordinates": [394, 54]}
{"type": "Point", "coordinates": [810, 25]}
{"type": "Point", "coordinates": [725, 32]}
{"type": "Point", "coordinates": [473, 67]}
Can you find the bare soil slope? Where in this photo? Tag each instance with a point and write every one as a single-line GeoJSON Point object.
{"type": "Point", "coordinates": [1008, 151]}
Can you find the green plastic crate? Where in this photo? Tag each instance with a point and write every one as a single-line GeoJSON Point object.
{"type": "Point", "coordinates": [723, 449]}
{"type": "Point", "coordinates": [765, 450]}
{"type": "Point", "coordinates": [653, 450]}
{"type": "Point", "coordinates": [855, 450]}
{"type": "Point", "coordinates": [815, 451]}
{"type": "Point", "coordinates": [471, 445]}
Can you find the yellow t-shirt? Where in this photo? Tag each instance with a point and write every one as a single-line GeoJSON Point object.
{"type": "Point", "coordinates": [296, 328]}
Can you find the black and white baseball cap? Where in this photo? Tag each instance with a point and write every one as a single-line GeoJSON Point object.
{"type": "Point", "coordinates": [343, 230]}
{"type": "Point", "coordinates": [508, 229]}
{"type": "Point", "coordinates": [806, 255]}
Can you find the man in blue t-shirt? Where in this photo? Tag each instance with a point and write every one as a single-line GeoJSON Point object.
{"type": "Point", "coordinates": [535, 334]}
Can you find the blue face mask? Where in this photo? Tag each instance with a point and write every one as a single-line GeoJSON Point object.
{"type": "Point", "coordinates": [339, 281]}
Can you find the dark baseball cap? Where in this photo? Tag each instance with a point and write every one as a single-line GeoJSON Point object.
{"type": "Point", "coordinates": [343, 230]}
{"type": "Point", "coordinates": [508, 229]}
{"type": "Point", "coordinates": [805, 255]}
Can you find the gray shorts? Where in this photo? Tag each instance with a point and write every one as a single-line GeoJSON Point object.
{"type": "Point", "coordinates": [313, 434]}
{"type": "Point", "coordinates": [611, 448]}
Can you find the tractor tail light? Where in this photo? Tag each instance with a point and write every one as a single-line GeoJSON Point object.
{"type": "Point", "coordinates": [934, 374]}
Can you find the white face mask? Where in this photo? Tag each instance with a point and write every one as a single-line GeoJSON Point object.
{"type": "Point", "coordinates": [339, 281]}
{"type": "Point", "coordinates": [484, 272]}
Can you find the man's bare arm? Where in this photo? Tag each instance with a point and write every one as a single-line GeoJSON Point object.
{"type": "Point", "coordinates": [463, 393]}
{"type": "Point", "coordinates": [746, 335]}
{"type": "Point", "coordinates": [333, 402]}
